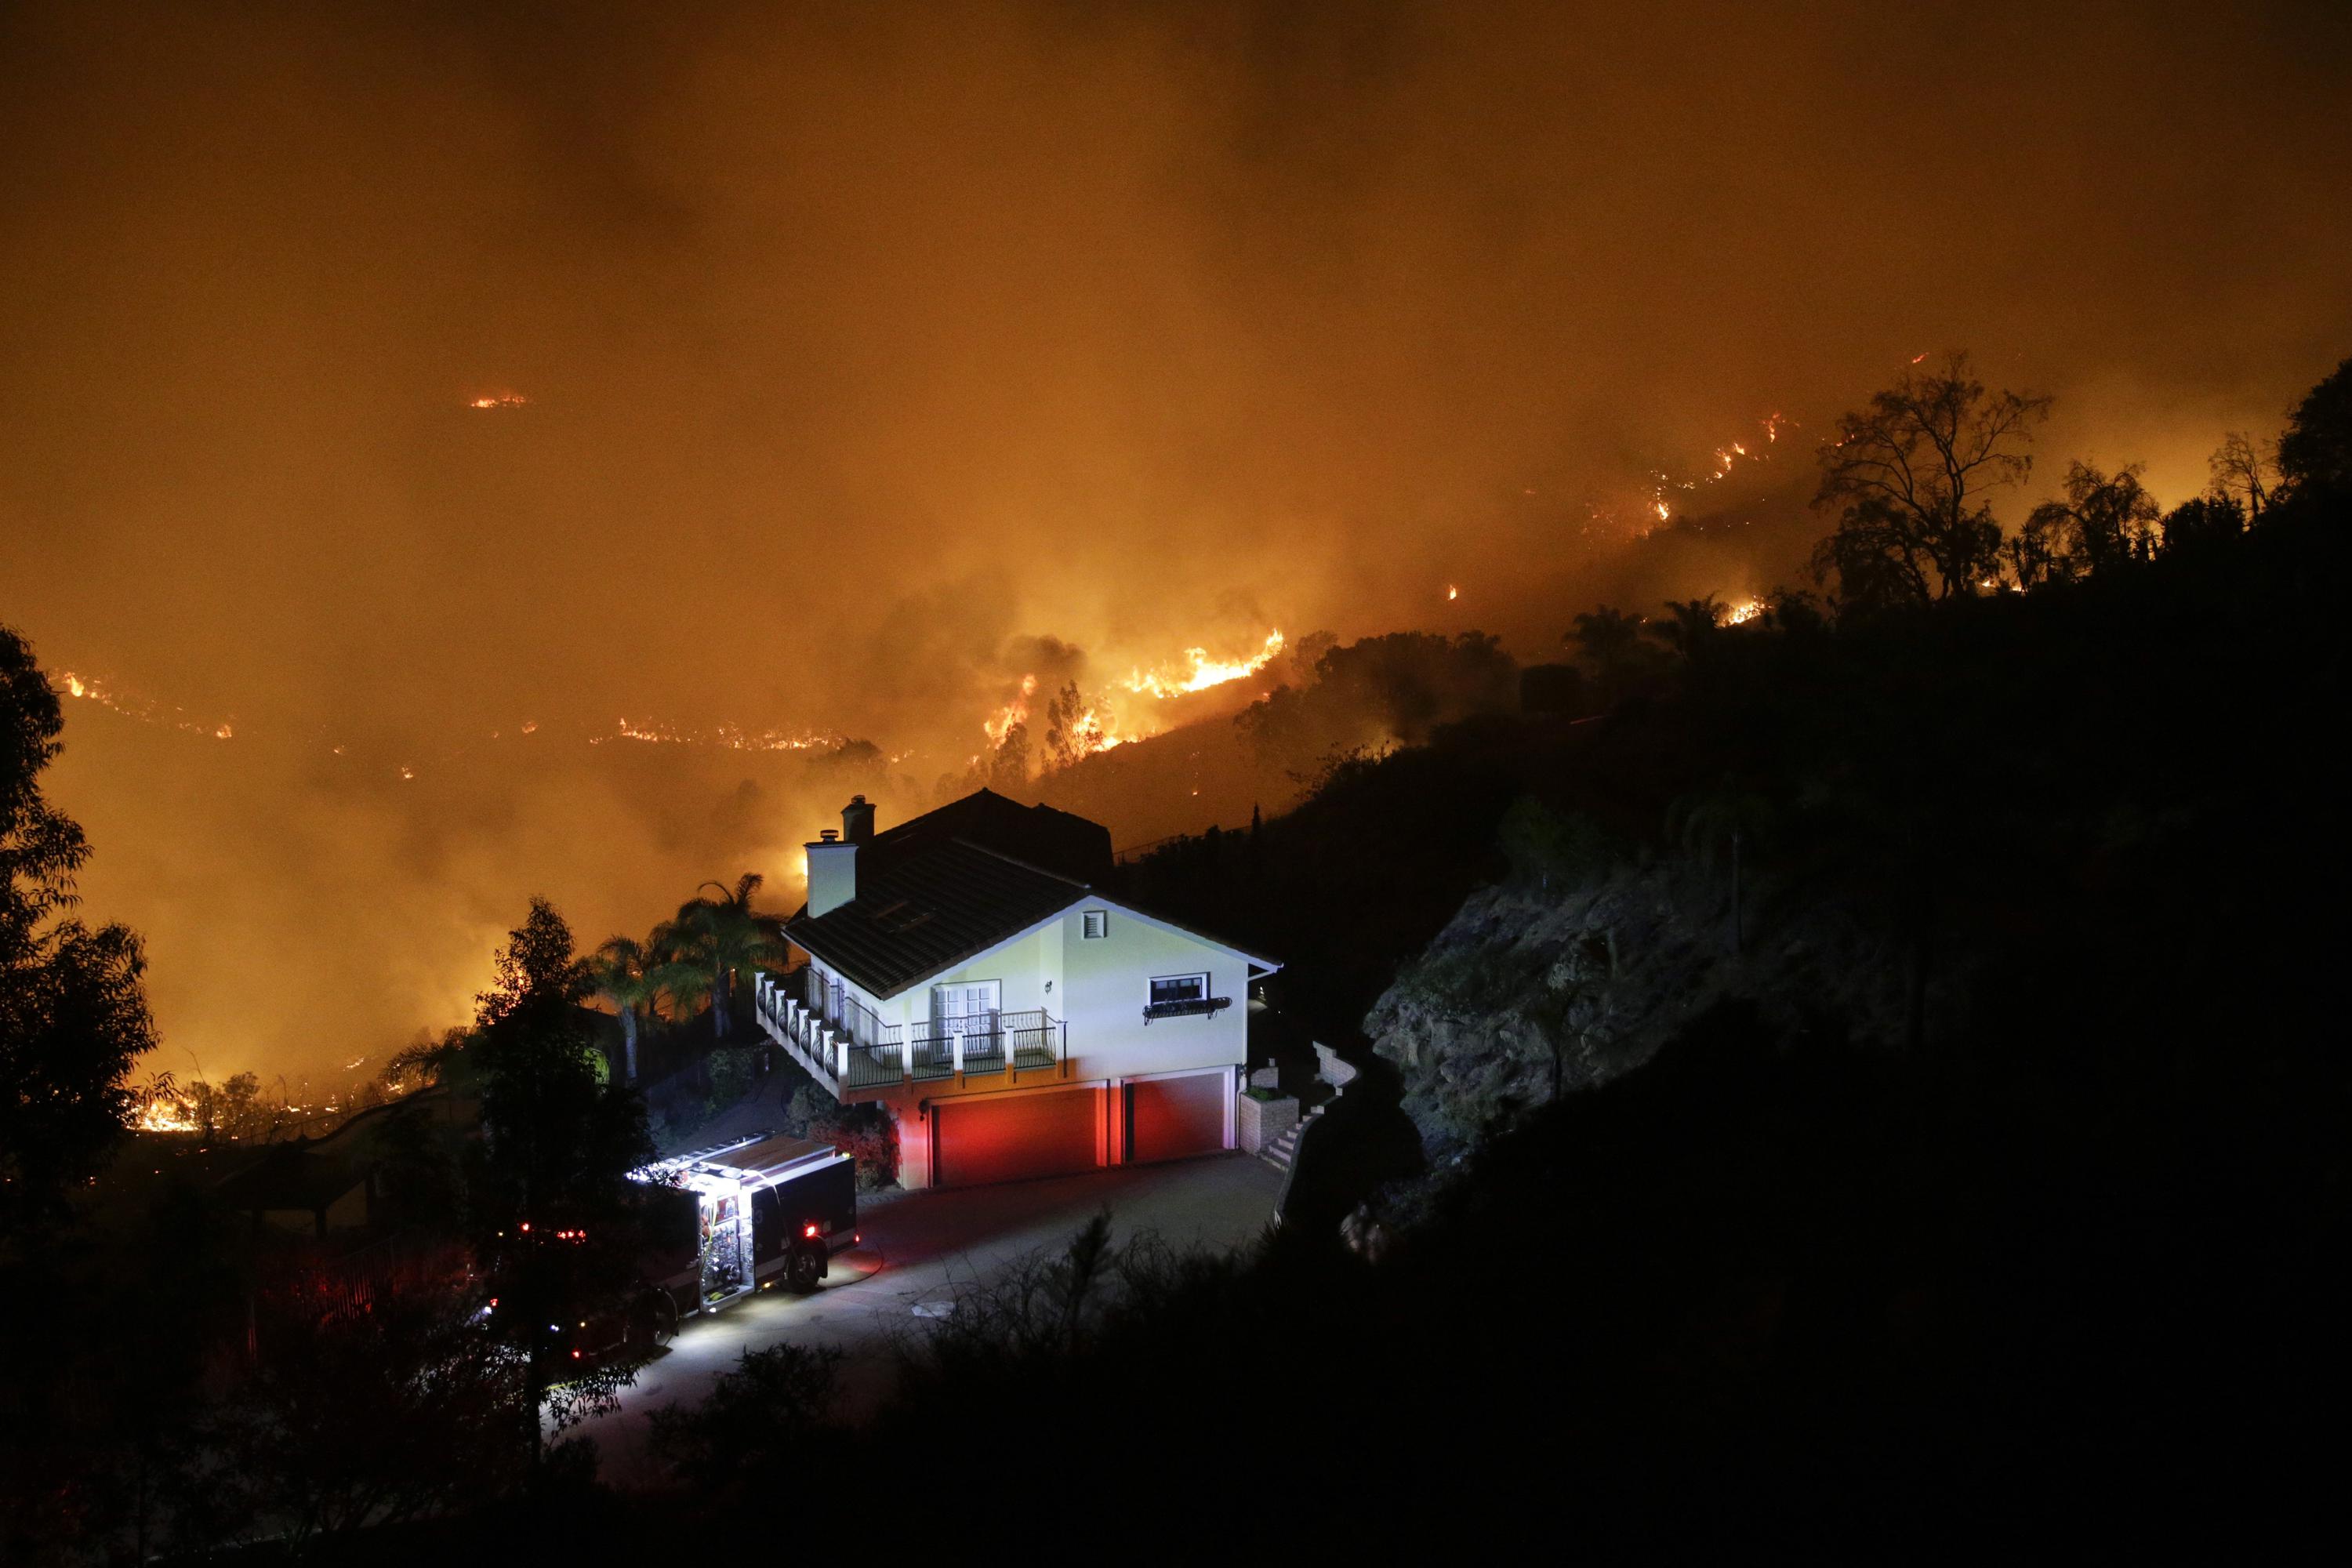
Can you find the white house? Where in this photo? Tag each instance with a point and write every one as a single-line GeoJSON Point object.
{"type": "Point", "coordinates": [965, 971]}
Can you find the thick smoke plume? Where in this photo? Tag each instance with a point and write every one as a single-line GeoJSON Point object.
{"type": "Point", "coordinates": [388, 378]}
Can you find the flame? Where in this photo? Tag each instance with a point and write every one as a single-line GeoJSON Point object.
{"type": "Point", "coordinates": [1451, 592]}
{"type": "Point", "coordinates": [731, 737]}
{"type": "Point", "coordinates": [1727, 456]}
{"type": "Point", "coordinates": [1916, 358]}
{"type": "Point", "coordinates": [498, 400]}
{"type": "Point", "coordinates": [90, 689]}
{"type": "Point", "coordinates": [164, 1106]}
{"type": "Point", "coordinates": [1740, 614]}
{"type": "Point", "coordinates": [164, 1115]}
{"type": "Point", "coordinates": [1089, 732]}
{"type": "Point", "coordinates": [1013, 712]}
{"type": "Point", "coordinates": [1204, 671]}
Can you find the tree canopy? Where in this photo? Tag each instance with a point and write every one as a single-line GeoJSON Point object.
{"type": "Point", "coordinates": [1910, 477]}
{"type": "Point", "coordinates": [73, 1011]}
{"type": "Point", "coordinates": [2315, 453]}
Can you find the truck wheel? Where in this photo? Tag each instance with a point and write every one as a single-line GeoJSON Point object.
{"type": "Point", "coordinates": [656, 1319]}
{"type": "Point", "coordinates": [806, 1267]}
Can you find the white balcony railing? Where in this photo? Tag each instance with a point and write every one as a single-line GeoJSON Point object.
{"type": "Point", "coordinates": [845, 1046]}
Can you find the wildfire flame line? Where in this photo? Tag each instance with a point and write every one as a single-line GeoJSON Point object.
{"type": "Point", "coordinates": [1203, 671]}
{"type": "Point", "coordinates": [1096, 728]}
{"type": "Point", "coordinates": [90, 689]}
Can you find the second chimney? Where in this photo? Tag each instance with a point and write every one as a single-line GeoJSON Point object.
{"type": "Point", "coordinates": [857, 820]}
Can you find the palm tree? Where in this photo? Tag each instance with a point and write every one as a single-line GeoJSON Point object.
{"type": "Point", "coordinates": [1607, 637]}
{"type": "Point", "coordinates": [725, 935]}
{"type": "Point", "coordinates": [1690, 624]}
{"type": "Point", "coordinates": [623, 972]}
{"type": "Point", "coordinates": [675, 965]}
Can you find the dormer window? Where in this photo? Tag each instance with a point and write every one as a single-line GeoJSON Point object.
{"type": "Point", "coordinates": [1094, 923]}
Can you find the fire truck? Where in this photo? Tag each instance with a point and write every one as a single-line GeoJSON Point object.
{"type": "Point", "coordinates": [739, 1217]}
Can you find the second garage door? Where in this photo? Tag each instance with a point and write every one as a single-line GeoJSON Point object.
{"type": "Point", "coordinates": [1003, 1139]}
{"type": "Point", "coordinates": [1169, 1118]}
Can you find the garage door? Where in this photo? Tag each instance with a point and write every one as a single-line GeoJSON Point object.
{"type": "Point", "coordinates": [1005, 1137]}
{"type": "Point", "coordinates": [1169, 1118]}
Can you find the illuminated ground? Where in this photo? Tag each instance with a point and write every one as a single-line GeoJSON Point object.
{"type": "Point", "coordinates": [920, 1248]}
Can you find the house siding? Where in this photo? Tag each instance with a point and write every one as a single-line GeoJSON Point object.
{"type": "Point", "coordinates": [1097, 988]}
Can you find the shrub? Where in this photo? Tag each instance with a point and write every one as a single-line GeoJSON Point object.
{"type": "Point", "coordinates": [759, 1417]}
{"type": "Point", "coordinates": [864, 1133]}
{"type": "Point", "coordinates": [732, 1070]}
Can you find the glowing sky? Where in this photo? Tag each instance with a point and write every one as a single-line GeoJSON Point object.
{"type": "Point", "coordinates": [386, 377]}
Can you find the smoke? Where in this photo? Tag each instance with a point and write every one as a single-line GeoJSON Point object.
{"type": "Point", "coordinates": [873, 360]}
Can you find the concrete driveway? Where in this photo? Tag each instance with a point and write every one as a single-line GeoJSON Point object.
{"type": "Point", "coordinates": [920, 1249]}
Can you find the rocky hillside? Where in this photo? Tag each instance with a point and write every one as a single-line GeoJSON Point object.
{"type": "Point", "coordinates": [1534, 990]}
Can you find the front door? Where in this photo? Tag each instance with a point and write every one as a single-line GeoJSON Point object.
{"type": "Point", "coordinates": [968, 1014]}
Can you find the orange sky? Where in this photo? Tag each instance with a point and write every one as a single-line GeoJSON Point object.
{"type": "Point", "coordinates": [863, 347]}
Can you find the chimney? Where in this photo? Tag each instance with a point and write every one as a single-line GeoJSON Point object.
{"type": "Point", "coordinates": [857, 820]}
{"type": "Point", "coordinates": [832, 873]}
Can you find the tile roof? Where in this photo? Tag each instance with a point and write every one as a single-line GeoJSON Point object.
{"type": "Point", "coordinates": [918, 913]}
{"type": "Point", "coordinates": [1060, 842]}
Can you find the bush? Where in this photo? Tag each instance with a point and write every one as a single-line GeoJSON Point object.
{"type": "Point", "coordinates": [864, 1133]}
{"type": "Point", "coordinates": [733, 1070]}
{"type": "Point", "coordinates": [759, 1417]}
{"type": "Point", "coordinates": [1543, 845]}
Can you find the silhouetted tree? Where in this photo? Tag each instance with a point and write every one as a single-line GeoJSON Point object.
{"type": "Point", "coordinates": [1606, 636]}
{"type": "Point", "coordinates": [2315, 453]}
{"type": "Point", "coordinates": [1689, 624]}
{"type": "Point", "coordinates": [1908, 476]}
{"type": "Point", "coordinates": [1071, 729]}
{"type": "Point", "coordinates": [2103, 522]}
{"type": "Point", "coordinates": [546, 1189]}
{"type": "Point", "coordinates": [2202, 519]}
{"type": "Point", "coordinates": [1006, 770]}
{"type": "Point", "coordinates": [73, 1014]}
{"type": "Point", "coordinates": [2243, 472]}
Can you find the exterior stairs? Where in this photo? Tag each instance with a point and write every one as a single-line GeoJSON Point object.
{"type": "Point", "coordinates": [1282, 1149]}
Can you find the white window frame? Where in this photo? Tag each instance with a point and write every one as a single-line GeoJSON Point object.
{"type": "Point", "coordinates": [995, 989]}
{"type": "Point", "coordinates": [1094, 925]}
{"type": "Point", "coordinates": [1200, 975]}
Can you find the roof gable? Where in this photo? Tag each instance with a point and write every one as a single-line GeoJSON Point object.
{"type": "Point", "coordinates": [923, 913]}
{"type": "Point", "coordinates": [1057, 842]}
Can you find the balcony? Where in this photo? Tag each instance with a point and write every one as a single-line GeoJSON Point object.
{"type": "Point", "coordinates": [852, 1054]}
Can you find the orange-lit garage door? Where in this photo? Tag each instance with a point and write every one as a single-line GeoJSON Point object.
{"type": "Point", "coordinates": [1169, 1118]}
{"type": "Point", "coordinates": [1003, 1138]}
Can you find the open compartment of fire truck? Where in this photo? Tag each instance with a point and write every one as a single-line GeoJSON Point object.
{"type": "Point", "coordinates": [741, 1217]}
